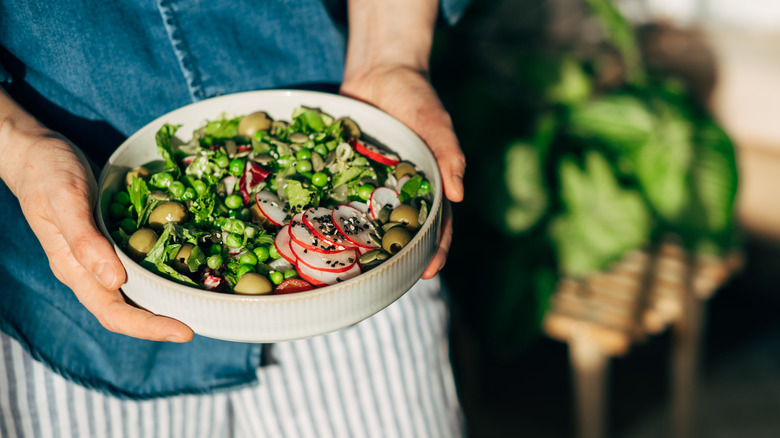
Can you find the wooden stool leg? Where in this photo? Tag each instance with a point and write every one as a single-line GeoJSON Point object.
{"type": "Point", "coordinates": [589, 370]}
{"type": "Point", "coordinates": [686, 345]}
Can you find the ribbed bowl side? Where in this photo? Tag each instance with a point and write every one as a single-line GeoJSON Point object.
{"type": "Point", "coordinates": [286, 317]}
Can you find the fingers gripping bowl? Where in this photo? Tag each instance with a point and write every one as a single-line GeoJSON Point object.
{"type": "Point", "coordinates": [273, 318]}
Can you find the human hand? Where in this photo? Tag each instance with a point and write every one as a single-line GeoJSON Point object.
{"type": "Point", "coordinates": [406, 94]}
{"type": "Point", "coordinates": [56, 192]}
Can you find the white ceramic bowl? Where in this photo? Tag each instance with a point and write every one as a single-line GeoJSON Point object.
{"type": "Point", "coordinates": [275, 318]}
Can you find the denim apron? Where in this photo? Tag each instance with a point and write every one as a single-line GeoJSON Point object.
{"type": "Point", "coordinates": [96, 72]}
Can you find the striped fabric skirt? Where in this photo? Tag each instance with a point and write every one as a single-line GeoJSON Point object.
{"type": "Point", "coordinates": [388, 376]}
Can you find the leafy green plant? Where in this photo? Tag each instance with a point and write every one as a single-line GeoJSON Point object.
{"type": "Point", "coordinates": [586, 171]}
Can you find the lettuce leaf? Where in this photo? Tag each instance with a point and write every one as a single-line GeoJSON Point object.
{"type": "Point", "coordinates": [165, 147]}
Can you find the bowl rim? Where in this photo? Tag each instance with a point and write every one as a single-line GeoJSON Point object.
{"type": "Point", "coordinates": [433, 214]}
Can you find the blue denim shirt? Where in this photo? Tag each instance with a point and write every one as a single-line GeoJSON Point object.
{"type": "Point", "coordinates": [97, 71]}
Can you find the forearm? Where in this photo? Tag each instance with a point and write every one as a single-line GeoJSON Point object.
{"type": "Point", "coordinates": [388, 34]}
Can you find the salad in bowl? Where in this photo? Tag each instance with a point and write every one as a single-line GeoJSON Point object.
{"type": "Point", "coordinates": [253, 205]}
{"type": "Point", "coordinates": [274, 215]}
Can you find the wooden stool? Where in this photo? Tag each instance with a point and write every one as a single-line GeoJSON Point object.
{"type": "Point", "coordinates": [643, 294]}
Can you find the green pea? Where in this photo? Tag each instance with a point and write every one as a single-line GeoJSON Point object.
{"type": "Point", "coordinates": [234, 201]}
{"type": "Point", "coordinates": [121, 198]}
{"type": "Point", "coordinates": [262, 254]}
{"type": "Point", "coordinates": [243, 214]}
{"type": "Point", "coordinates": [248, 258]}
{"type": "Point", "coordinates": [273, 252]}
{"type": "Point", "coordinates": [360, 161]}
{"type": "Point", "coordinates": [233, 240]}
{"type": "Point", "coordinates": [276, 277]}
{"type": "Point", "coordinates": [236, 166]}
{"type": "Point", "coordinates": [188, 194]}
{"type": "Point", "coordinates": [128, 225]}
{"type": "Point", "coordinates": [308, 144]}
{"type": "Point", "coordinates": [243, 269]}
{"type": "Point", "coordinates": [222, 160]}
{"type": "Point", "coordinates": [303, 166]}
{"type": "Point", "coordinates": [215, 249]}
{"type": "Point", "coordinates": [290, 273]}
{"type": "Point", "coordinates": [214, 262]}
{"type": "Point", "coordinates": [162, 179]}
{"type": "Point", "coordinates": [176, 189]}
{"type": "Point", "coordinates": [237, 226]}
{"type": "Point", "coordinates": [117, 211]}
{"type": "Point", "coordinates": [319, 179]}
{"type": "Point", "coordinates": [321, 149]}
{"type": "Point", "coordinates": [303, 154]}
{"type": "Point", "coordinates": [199, 186]}
{"type": "Point", "coordinates": [425, 188]}
{"type": "Point", "coordinates": [285, 161]}
{"type": "Point", "coordinates": [364, 192]}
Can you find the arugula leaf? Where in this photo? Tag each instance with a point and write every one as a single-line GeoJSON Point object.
{"type": "Point", "coordinates": [159, 249]}
{"type": "Point", "coordinates": [168, 271]}
{"type": "Point", "coordinates": [165, 147]}
{"type": "Point", "coordinates": [151, 204]}
{"type": "Point", "coordinates": [138, 192]}
{"type": "Point", "coordinates": [196, 259]}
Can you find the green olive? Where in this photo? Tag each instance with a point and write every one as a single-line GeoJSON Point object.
{"type": "Point", "coordinates": [141, 242]}
{"type": "Point", "coordinates": [403, 169]}
{"type": "Point", "coordinates": [139, 172]}
{"type": "Point", "coordinates": [395, 239]}
{"type": "Point", "coordinates": [253, 284]}
{"type": "Point", "coordinates": [167, 212]}
{"type": "Point", "coordinates": [180, 261]}
{"type": "Point", "coordinates": [407, 215]}
{"type": "Point", "coordinates": [249, 125]}
{"type": "Point", "coordinates": [349, 129]}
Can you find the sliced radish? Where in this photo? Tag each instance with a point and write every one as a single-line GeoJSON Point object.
{"type": "Point", "coordinates": [353, 225]}
{"type": "Point", "coordinates": [282, 244]}
{"type": "Point", "coordinates": [272, 207]}
{"type": "Point", "coordinates": [230, 183]}
{"type": "Point", "coordinates": [381, 197]}
{"type": "Point", "coordinates": [303, 274]}
{"type": "Point", "coordinates": [292, 285]}
{"type": "Point", "coordinates": [401, 181]}
{"type": "Point", "coordinates": [361, 206]}
{"type": "Point", "coordinates": [302, 235]}
{"type": "Point", "coordinates": [320, 222]}
{"type": "Point", "coordinates": [322, 278]}
{"type": "Point", "coordinates": [372, 152]}
{"type": "Point", "coordinates": [335, 262]}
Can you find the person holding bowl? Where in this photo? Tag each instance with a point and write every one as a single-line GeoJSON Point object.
{"type": "Point", "coordinates": [75, 358]}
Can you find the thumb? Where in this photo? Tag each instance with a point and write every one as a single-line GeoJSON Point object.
{"type": "Point", "coordinates": [87, 244]}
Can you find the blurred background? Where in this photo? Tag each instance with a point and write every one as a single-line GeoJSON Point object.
{"type": "Point", "coordinates": [616, 259]}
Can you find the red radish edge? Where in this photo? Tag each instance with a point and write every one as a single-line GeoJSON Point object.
{"type": "Point", "coordinates": [282, 244]}
{"type": "Point", "coordinates": [375, 155]}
